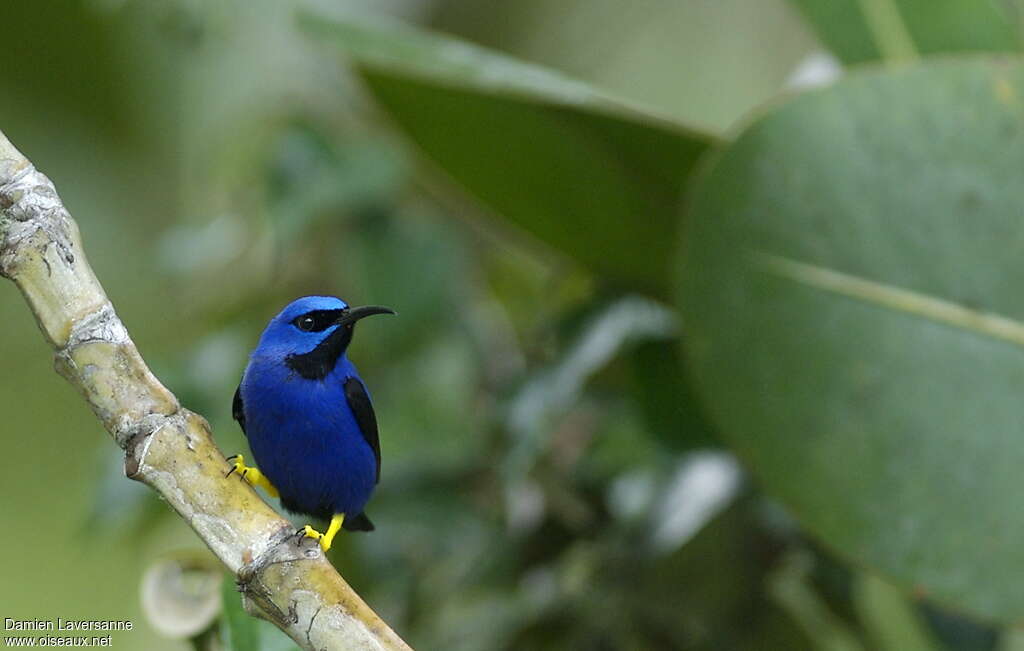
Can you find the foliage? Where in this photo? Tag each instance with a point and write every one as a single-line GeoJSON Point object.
{"type": "Point", "coordinates": [600, 304]}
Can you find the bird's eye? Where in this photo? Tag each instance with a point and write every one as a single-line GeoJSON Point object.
{"type": "Point", "coordinates": [305, 323]}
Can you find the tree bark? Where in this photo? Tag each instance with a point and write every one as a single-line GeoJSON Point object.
{"type": "Point", "coordinates": [283, 578]}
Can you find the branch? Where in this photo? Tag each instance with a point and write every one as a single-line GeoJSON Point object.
{"type": "Point", "coordinates": [281, 578]}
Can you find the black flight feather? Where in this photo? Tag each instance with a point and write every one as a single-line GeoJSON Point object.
{"type": "Point", "coordinates": [359, 403]}
{"type": "Point", "coordinates": [237, 409]}
{"type": "Point", "coordinates": [358, 523]}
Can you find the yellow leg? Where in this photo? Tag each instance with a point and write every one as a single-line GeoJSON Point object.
{"type": "Point", "coordinates": [327, 538]}
{"type": "Point", "coordinates": [252, 475]}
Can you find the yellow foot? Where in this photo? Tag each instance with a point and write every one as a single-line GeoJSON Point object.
{"type": "Point", "coordinates": [325, 539]}
{"type": "Point", "coordinates": [251, 474]}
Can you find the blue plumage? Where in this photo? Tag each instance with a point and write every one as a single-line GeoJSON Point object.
{"type": "Point", "coordinates": [307, 414]}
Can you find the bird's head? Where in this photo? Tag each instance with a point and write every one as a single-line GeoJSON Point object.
{"type": "Point", "coordinates": [313, 332]}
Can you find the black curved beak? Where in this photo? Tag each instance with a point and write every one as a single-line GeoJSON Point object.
{"type": "Point", "coordinates": [353, 314]}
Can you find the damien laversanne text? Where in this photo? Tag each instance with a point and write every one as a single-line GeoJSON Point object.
{"type": "Point", "coordinates": [61, 624]}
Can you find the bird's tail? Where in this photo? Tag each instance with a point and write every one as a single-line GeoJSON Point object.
{"type": "Point", "coordinates": [358, 523]}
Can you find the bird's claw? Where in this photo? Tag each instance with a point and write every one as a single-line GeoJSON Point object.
{"type": "Point", "coordinates": [234, 466]}
{"type": "Point", "coordinates": [310, 532]}
{"type": "Point", "coordinates": [325, 539]}
{"type": "Point", "coordinates": [251, 474]}
{"type": "Point", "coordinates": [238, 466]}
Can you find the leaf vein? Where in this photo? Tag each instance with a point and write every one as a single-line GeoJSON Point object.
{"type": "Point", "coordinates": [899, 299]}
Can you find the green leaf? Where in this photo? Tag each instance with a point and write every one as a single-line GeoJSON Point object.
{"type": "Point", "coordinates": [889, 619]}
{"type": "Point", "coordinates": [791, 588]}
{"type": "Point", "coordinates": [589, 174]}
{"type": "Point", "coordinates": [865, 30]}
{"type": "Point", "coordinates": [666, 397]}
{"type": "Point", "coordinates": [852, 293]}
{"type": "Point", "coordinates": [1012, 640]}
{"type": "Point", "coordinates": [552, 393]}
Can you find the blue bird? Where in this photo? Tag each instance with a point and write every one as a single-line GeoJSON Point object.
{"type": "Point", "coordinates": [308, 417]}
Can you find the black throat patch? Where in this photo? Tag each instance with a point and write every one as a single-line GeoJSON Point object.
{"type": "Point", "coordinates": [319, 362]}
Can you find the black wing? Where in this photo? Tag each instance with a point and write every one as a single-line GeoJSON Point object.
{"type": "Point", "coordinates": [237, 410]}
{"type": "Point", "coordinates": [359, 402]}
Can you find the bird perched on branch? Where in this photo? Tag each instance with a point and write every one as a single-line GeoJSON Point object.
{"type": "Point", "coordinates": [308, 417]}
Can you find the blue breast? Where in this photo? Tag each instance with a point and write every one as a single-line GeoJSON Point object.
{"type": "Point", "coordinates": [305, 438]}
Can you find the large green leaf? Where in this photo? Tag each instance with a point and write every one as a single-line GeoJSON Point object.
{"type": "Point", "coordinates": [864, 30]}
{"type": "Point", "coordinates": [589, 174]}
{"type": "Point", "coordinates": [853, 292]}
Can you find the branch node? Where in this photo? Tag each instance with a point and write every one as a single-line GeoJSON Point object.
{"type": "Point", "coordinates": [136, 437]}
{"type": "Point", "coordinates": [100, 325]}
{"type": "Point", "coordinates": [257, 599]}
{"type": "Point", "coordinates": [29, 203]}
{"type": "Point", "coordinates": [286, 548]}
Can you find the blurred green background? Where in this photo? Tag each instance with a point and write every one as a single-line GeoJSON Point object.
{"type": "Point", "coordinates": [549, 478]}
